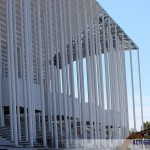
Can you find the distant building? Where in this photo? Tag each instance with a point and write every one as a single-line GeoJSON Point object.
{"type": "Point", "coordinates": [63, 75]}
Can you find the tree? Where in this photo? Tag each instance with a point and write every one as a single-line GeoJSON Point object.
{"type": "Point", "coordinates": [146, 125]}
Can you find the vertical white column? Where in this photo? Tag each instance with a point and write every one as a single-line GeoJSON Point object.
{"type": "Point", "coordinates": [122, 90]}
{"type": "Point", "coordinates": [80, 53]}
{"type": "Point", "coordinates": [100, 74]}
{"type": "Point", "coordinates": [118, 73]}
{"type": "Point", "coordinates": [50, 123]}
{"type": "Point", "coordinates": [11, 51]}
{"type": "Point", "coordinates": [126, 95]}
{"type": "Point", "coordinates": [132, 84]}
{"type": "Point", "coordinates": [13, 86]}
{"type": "Point", "coordinates": [139, 71]}
{"type": "Point", "coordinates": [88, 69]}
{"type": "Point", "coordinates": [57, 68]}
{"type": "Point", "coordinates": [1, 103]}
{"type": "Point", "coordinates": [41, 73]}
{"type": "Point", "coordinates": [110, 76]}
{"type": "Point", "coordinates": [72, 73]}
{"type": "Point", "coordinates": [9, 73]}
{"type": "Point", "coordinates": [28, 65]}
{"type": "Point", "coordinates": [23, 72]}
{"type": "Point", "coordinates": [106, 74]}
{"type": "Point", "coordinates": [16, 70]}
{"type": "Point", "coordinates": [64, 80]}
{"type": "Point", "coordinates": [67, 71]}
{"type": "Point", "coordinates": [94, 73]}
{"type": "Point", "coordinates": [116, 98]}
{"type": "Point", "coordinates": [125, 88]}
{"type": "Point", "coordinates": [78, 84]}
{"type": "Point", "coordinates": [52, 74]}
{"type": "Point", "coordinates": [31, 71]}
{"type": "Point", "coordinates": [98, 49]}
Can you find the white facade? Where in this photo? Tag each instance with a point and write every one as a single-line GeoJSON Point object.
{"type": "Point", "coordinates": [63, 73]}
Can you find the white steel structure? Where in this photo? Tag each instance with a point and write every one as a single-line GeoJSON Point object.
{"type": "Point", "coordinates": [62, 73]}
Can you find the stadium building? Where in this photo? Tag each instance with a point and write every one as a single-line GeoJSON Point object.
{"type": "Point", "coordinates": [62, 73]}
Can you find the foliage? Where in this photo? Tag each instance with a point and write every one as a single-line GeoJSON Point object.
{"type": "Point", "coordinates": [146, 125]}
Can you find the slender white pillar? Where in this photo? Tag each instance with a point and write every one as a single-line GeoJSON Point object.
{"type": "Point", "coordinates": [16, 69]}
{"type": "Point", "coordinates": [57, 68]}
{"type": "Point", "coordinates": [72, 73]}
{"type": "Point", "coordinates": [125, 89]}
{"type": "Point", "coordinates": [50, 123]}
{"type": "Point", "coordinates": [78, 84]}
{"type": "Point", "coordinates": [13, 85]}
{"type": "Point", "coordinates": [106, 74]}
{"type": "Point", "coordinates": [9, 74]}
{"type": "Point", "coordinates": [1, 104]}
{"type": "Point", "coordinates": [126, 95]}
{"type": "Point", "coordinates": [100, 74]}
{"type": "Point", "coordinates": [118, 75]}
{"type": "Point", "coordinates": [110, 76]}
{"type": "Point", "coordinates": [116, 98]}
{"type": "Point", "coordinates": [99, 100]}
{"type": "Point", "coordinates": [94, 73]}
{"type": "Point", "coordinates": [31, 70]}
{"type": "Point", "coordinates": [28, 64]}
{"type": "Point", "coordinates": [41, 73]}
{"type": "Point", "coordinates": [122, 90]}
{"type": "Point", "coordinates": [139, 71]}
{"type": "Point", "coordinates": [52, 74]}
{"type": "Point", "coordinates": [88, 69]}
{"type": "Point", "coordinates": [23, 72]}
{"type": "Point", "coordinates": [63, 60]}
{"type": "Point", "coordinates": [80, 53]}
{"type": "Point", "coordinates": [132, 84]}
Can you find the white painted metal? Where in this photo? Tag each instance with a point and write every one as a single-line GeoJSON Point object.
{"type": "Point", "coordinates": [106, 74]}
{"type": "Point", "coordinates": [23, 71]}
{"type": "Point", "coordinates": [12, 67]}
{"type": "Point", "coordinates": [88, 71]}
{"type": "Point", "coordinates": [80, 53]}
{"type": "Point", "coordinates": [16, 68]}
{"type": "Point", "coordinates": [72, 74]}
{"type": "Point", "coordinates": [1, 106]}
{"type": "Point", "coordinates": [52, 75]}
{"type": "Point", "coordinates": [132, 84]}
{"type": "Point", "coordinates": [65, 75]}
{"type": "Point", "coordinates": [9, 76]}
{"type": "Point", "coordinates": [48, 79]}
{"type": "Point", "coordinates": [28, 73]}
{"type": "Point", "coordinates": [101, 88]}
{"type": "Point", "coordinates": [141, 101]}
{"type": "Point", "coordinates": [57, 68]}
{"type": "Point", "coordinates": [94, 74]}
{"type": "Point", "coordinates": [41, 74]}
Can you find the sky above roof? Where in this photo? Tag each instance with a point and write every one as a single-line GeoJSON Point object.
{"type": "Point", "coordinates": [134, 18]}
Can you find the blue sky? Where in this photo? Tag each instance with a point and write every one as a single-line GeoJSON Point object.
{"type": "Point", "coordinates": [134, 18]}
